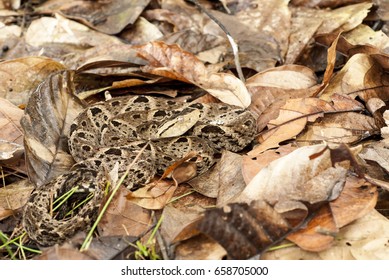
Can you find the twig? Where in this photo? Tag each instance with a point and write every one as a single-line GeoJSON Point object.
{"type": "Point", "coordinates": [234, 45]}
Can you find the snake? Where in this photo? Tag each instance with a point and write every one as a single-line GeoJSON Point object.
{"type": "Point", "coordinates": [140, 136]}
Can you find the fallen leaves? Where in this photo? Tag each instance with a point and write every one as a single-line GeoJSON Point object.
{"type": "Point", "coordinates": [172, 62]}
{"type": "Point", "coordinates": [316, 78]}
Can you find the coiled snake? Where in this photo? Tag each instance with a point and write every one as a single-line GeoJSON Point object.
{"type": "Point", "coordinates": [113, 132]}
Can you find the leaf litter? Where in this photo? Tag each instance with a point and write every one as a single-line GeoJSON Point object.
{"type": "Point", "coordinates": [310, 180]}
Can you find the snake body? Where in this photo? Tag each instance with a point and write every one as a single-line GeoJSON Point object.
{"type": "Point", "coordinates": [112, 133]}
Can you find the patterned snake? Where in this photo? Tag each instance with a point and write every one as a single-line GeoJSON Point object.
{"type": "Point", "coordinates": [111, 133]}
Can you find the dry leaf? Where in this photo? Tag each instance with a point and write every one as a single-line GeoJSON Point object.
{"type": "Point", "coordinates": [251, 167]}
{"type": "Point", "coordinates": [14, 196]}
{"type": "Point", "coordinates": [180, 223]}
{"type": "Point", "coordinates": [172, 62]}
{"type": "Point", "coordinates": [199, 247]}
{"type": "Point", "coordinates": [292, 119]}
{"type": "Point", "coordinates": [297, 178]}
{"type": "Point", "coordinates": [244, 230]}
{"type": "Point", "coordinates": [339, 128]}
{"type": "Point", "coordinates": [59, 30]}
{"type": "Point", "coordinates": [155, 195]}
{"type": "Point", "coordinates": [108, 17]}
{"type": "Point", "coordinates": [20, 76]}
{"type": "Point", "coordinates": [357, 199]}
{"type": "Point", "coordinates": [10, 116]}
{"type": "Point", "coordinates": [361, 76]}
{"type": "Point", "coordinates": [48, 116]}
{"type": "Point", "coordinates": [124, 217]}
{"type": "Point", "coordinates": [364, 239]}
{"type": "Point", "coordinates": [230, 176]}
{"type": "Point", "coordinates": [377, 152]}
{"type": "Point", "coordinates": [270, 89]}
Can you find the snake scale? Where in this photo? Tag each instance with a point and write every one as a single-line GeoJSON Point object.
{"type": "Point", "coordinates": [112, 133]}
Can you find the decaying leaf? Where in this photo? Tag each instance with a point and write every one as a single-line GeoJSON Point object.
{"type": "Point", "coordinates": [297, 177]}
{"type": "Point", "coordinates": [48, 116]}
{"type": "Point", "coordinates": [48, 30]}
{"type": "Point", "coordinates": [15, 195]}
{"type": "Point", "coordinates": [153, 196]}
{"type": "Point", "coordinates": [172, 62]}
{"type": "Point", "coordinates": [364, 239]}
{"type": "Point", "coordinates": [180, 223]}
{"type": "Point", "coordinates": [339, 128]}
{"type": "Point", "coordinates": [21, 76]}
{"type": "Point", "coordinates": [244, 230]}
{"type": "Point", "coordinates": [199, 247]}
{"type": "Point", "coordinates": [109, 17]}
{"type": "Point", "coordinates": [124, 218]}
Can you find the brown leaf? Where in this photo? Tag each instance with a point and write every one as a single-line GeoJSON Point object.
{"type": "Point", "coordinates": [10, 116]}
{"type": "Point", "coordinates": [180, 223]}
{"type": "Point", "coordinates": [297, 178]}
{"type": "Point", "coordinates": [244, 230]}
{"type": "Point", "coordinates": [251, 167]}
{"type": "Point", "coordinates": [356, 200]}
{"type": "Point", "coordinates": [199, 247]}
{"type": "Point", "coordinates": [15, 195]}
{"type": "Point", "coordinates": [124, 217]}
{"type": "Point", "coordinates": [108, 17]}
{"type": "Point", "coordinates": [361, 76]}
{"type": "Point", "coordinates": [303, 27]}
{"type": "Point", "coordinates": [270, 89]}
{"type": "Point", "coordinates": [207, 183]}
{"type": "Point", "coordinates": [292, 119]}
{"type": "Point", "coordinates": [364, 239]}
{"type": "Point", "coordinates": [230, 176]}
{"type": "Point", "coordinates": [48, 116]}
{"type": "Point", "coordinates": [20, 76]}
{"type": "Point", "coordinates": [172, 62]}
{"type": "Point", "coordinates": [153, 196]}
{"type": "Point", "coordinates": [318, 234]}
{"type": "Point", "coordinates": [11, 135]}
{"type": "Point", "coordinates": [339, 128]}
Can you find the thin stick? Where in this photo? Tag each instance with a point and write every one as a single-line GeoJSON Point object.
{"type": "Point", "coordinates": [234, 45]}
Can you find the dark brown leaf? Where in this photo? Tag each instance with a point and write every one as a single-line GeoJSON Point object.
{"type": "Point", "coordinates": [245, 230]}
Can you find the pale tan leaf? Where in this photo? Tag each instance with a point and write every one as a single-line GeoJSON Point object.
{"type": "Point", "coordinates": [282, 77]}
{"type": "Point", "coordinates": [297, 177]}
{"type": "Point", "coordinates": [153, 196]}
{"type": "Point", "coordinates": [15, 195]}
{"type": "Point", "coordinates": [124, 217]}
{"type": "Point", "coordinates": [340, 128]}
{"type": "Point", "coordinates": [59, 30]}
{"type": "Point", "coordinates": [10, 116]}
{"type": "Point", "coordinates": [20, 76]}
{"type": "Point", "coordinates": [361, 76]}
{"type": "Point", "coordinates": [377, 152]}
{"type": "Point", "coordinates": [199, 247]}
